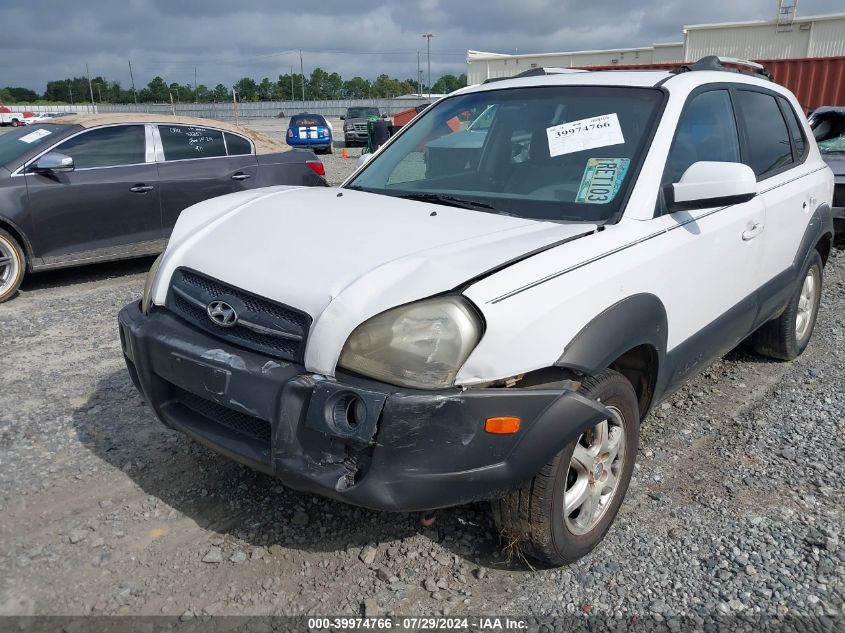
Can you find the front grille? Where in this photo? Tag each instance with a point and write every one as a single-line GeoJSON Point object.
{"type": "Point", "coordinates": [264, 326]}
{"type": "Point", "coordinates": [361, 127]}
{"type": "Point", "coordinates": [224, 416]}
{"type": "Point", "coordinates": [839, 195]}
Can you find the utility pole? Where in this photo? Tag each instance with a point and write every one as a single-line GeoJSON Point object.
{"type": "Point", "coordinates": [100, 92]}
{"type": "Point", "coordinates": [90, 88]}
{"type": "Point", "coordinates": [302, 72]}
{"type": "Point", "coordinates": [428, 37]}
{"type": "Point", "coordinates": [70, 88]}
{"type": "Point", "coordinates": [132, 79]}
{"type": "Point", "coordinates": [419, 75]}
{"type": "Point", "coordinates": [235, 104]}
{"type": "Point", "coordinates": [196, 99]}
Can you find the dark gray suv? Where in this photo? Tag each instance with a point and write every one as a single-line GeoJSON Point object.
{"type": "Point", "coordinates": [355, 124]}
{"type": "Point", "coordinates": [95, 188]}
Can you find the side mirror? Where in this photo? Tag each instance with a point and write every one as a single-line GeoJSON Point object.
{"type": "Point", "coordinates": [343, 117]}
{"type": "Point", "coordinates": [52, 162]}
{"type": "Point", "coordinates": [708, 184]}
{"type": "Point", "coordinates": [363, 159]}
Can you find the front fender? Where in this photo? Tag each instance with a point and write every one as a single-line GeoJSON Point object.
{"type": "Point", "coordinates": [636, 320]}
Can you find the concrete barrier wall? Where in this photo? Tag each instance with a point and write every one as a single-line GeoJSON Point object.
{"type": "Point", "coordinates": [246, 111]}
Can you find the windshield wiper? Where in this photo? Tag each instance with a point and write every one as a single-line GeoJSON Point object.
{"type": "Point", "coordinates": [449, 201]}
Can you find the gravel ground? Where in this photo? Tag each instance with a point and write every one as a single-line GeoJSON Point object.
{"type": "Point", "coordinates": [736, 506]}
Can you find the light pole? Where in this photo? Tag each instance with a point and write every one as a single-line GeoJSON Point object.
{"type": "Point", "coordinates": [428, 37]}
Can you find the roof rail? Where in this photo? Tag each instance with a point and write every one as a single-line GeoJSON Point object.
{"type": "Point", "coordinates": [537, 72]}
{"type": "Point", "coordinates": [714, 62]}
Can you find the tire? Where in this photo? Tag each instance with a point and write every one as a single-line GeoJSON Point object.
{"type": "Point", "coordinates": [12, 266]}
{"type": "Point", "coordinates": [330, 149]}
{"type": "Point", "coordinates": [787, 336]}
{"type": "Point", "coordinates": [532, 518]}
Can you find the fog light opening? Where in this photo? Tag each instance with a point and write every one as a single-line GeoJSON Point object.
{"type": "Point", "coordinates": [348, 412]}
{"type": "Point", "coordinates": [355, 411]}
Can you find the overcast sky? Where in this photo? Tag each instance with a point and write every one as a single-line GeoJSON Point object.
{"type": "Point", "coordinates": [229, 39]}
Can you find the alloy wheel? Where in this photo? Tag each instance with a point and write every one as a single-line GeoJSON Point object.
{"type": "Point", "coordinates": [593, 476]}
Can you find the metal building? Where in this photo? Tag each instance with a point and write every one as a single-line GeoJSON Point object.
{"type": "Point", "coordinates": [813, 36]}
{"type": "Point", "coordinates": [482, 66]}
{"type": "Point", "coordinates": [784, 37]}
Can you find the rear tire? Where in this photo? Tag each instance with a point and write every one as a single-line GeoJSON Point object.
{"type": "Point", "coordinates": [568, 507]}
{"type": "Point", "coordinates": [787, 336]}
{"type": "Point", "coordinates": [12, 266]}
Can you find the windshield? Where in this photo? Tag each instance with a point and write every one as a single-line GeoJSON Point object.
{"type": "Point", "coordinates": [19, 141]}
{"type": "Point", "coordinates": [829, 131]}
{"type": "Point", "coordinates": [362, 113]}
{"type": "Point", "coordinates": [304, 120]}
{"type": "Point", "coordinates": [561, 153]}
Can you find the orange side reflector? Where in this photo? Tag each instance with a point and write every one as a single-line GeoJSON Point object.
{"type": "Point", "coordinates": [502, 426]}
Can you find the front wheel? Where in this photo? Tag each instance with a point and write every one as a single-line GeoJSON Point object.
{"type": "Point", "coordinates": [787, 336]}
{"type": "Point", "coordinates": [12, 266]}
{"type": "Point", "coordinates": [568, 507]}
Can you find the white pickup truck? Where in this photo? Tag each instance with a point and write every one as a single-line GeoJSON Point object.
{"type": "Point", "coordinates": [11, 118]}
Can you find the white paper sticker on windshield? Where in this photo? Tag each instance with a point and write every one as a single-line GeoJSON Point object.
{"type": "Point", "coordinates": [576, 136]}
{"type": "Point", "coordinates": [34, 136]}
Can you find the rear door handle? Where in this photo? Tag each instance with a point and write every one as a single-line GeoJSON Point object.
{"type": "Point", "coordinates": [752, 232]}
{"type": "Point", "coordinates": [141, 188]}
{"type": "Point", "coordinates": [240, 176]}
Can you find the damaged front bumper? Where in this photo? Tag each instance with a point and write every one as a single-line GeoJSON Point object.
{"type": "Point", "coordinates": [356, 440]}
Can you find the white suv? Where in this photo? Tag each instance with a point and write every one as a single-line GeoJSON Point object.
{"type": "Point", "coordinates": [423, 337]}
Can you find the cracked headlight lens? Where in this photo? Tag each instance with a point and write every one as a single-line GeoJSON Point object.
{"type": "Point", "coordinates": [420, 345]}
{"type": "Point", "coordinates": [146, 298]}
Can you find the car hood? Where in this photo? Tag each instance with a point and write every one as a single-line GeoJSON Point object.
{"type": "Point", "coordinates": [343, 256]}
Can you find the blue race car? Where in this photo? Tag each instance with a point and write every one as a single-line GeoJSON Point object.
{"type": "Point", "coordinates": [310, 130]}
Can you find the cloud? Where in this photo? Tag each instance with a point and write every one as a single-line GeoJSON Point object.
{"type": "Point", "coordinates": [225, 40]}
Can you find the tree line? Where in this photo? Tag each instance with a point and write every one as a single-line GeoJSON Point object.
{"type": "Point", "coordinates": [288, 87]}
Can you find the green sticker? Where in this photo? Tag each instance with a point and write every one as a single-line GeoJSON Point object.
{"type": "Point", "coordinates": [602, 179]}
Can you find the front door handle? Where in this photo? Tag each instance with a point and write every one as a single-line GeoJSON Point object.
{"type": "Point", "coordinates": [753, 231]}
{"type": "Point", "coordinates": [241, 176]}
{"type": "Point", "coordinates": [141, 188]}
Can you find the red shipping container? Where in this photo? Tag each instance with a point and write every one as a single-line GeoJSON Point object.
{"type": "Point", "coordinates": [815, 81]}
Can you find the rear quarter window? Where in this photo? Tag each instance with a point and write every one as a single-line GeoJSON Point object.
{"type": "Point", "coordinates": [182, 142]}
{"type": "Point", "coordinates": [796, 132]}
{"type": "Point", "coordinates": [237, 145]}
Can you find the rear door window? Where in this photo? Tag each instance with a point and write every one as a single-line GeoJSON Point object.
{"type": "Point", "coordinates": [769, 149]}
{"type": "Point", "coordinates": [237, 145]}
{"type": "Point", "coordinates": [183, 142]}
{"type": "Point", "coordinates": [111, 146]}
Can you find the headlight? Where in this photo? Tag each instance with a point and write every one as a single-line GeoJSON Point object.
{"type": "Point", "coordinates": [146, 299]}
{"type": "Point", "coordinates": [420, 345]}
